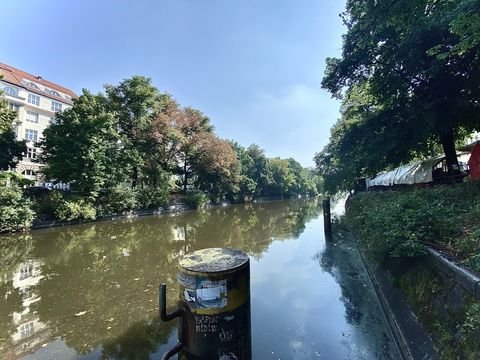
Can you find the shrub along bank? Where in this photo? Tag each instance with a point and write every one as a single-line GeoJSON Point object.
{"type": "Point", "coordinates": [21, 208]}
{"type": "Point", "coordinates": [398, 223]}
{"type": "Point", "coordinates": [392, 228]}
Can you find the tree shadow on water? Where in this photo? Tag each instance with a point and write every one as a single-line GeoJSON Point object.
{"type": "Point", "coordinates": [337, 260]}
{"type": "Point", "coordinates": [139, 341]}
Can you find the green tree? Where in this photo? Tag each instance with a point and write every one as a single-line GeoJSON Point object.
{"type": "Point", "coordinates": [10, 149]}
{"type": "Point", "coordinates": [135, 101]}
{"type": "Point", "coordinates": [81, 147]}
{"type": "Point", "coordinates": [395, 50]}
{"type": "Point", "coordinates": [255, 167]}
{"type": "Point", "coordinates": [281, 177]}
{"type": "Point", "coordinates": [16, 211]}
{"type": "Point", "coordinates": [466, 25]}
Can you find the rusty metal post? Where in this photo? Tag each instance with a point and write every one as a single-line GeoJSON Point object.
{"type": "Point", "coordinates": [214, 289]}
{"type": "Point", "coordinates": [327, 218]}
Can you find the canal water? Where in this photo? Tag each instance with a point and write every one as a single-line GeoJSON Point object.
{"type": "Point", "coordinates": [90, 291]}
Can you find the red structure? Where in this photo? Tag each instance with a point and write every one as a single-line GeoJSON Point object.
{"type": "Point", "coordinates": [474, 162]}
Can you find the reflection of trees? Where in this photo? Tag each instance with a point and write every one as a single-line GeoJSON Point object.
{"type": "Point", "coordinates": [14, 249]}
{"type": "Point", "coordinates": [138, 341]}
{"type": "Point", "coordinates": [102, 278]}
{"type": "Point", "coordinates": [341, 259]}
{"type": "Point", "coordinates": [11, 301]}
{"type": "Point", "coordinates": [336, 259]}
{"type": "Point", "coordinates": [252, 228]}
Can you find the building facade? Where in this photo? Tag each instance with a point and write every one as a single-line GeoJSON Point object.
{"type": "Point", "coordinates": [36, 102]}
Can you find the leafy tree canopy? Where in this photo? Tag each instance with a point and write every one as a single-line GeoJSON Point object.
{"type": "Point", "coordinates": [80, 147]}
{"type": "Point", "coordinates": [409, 78]}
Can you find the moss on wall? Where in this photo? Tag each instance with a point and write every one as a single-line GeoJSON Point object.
{"type": "Point", "coordinates": [448, 312]}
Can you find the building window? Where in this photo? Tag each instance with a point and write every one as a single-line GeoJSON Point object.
{"type": "Point", "coordinates": [30, 84]}
{"type": "Point", "coordinates": [31, 153]}
{"type": "Point", "coordinates": [56, 106]}
{"type": "Point", "coordinates": [26, 271]}
{"type": "Point", "coordinates": [13, 107]}
{"type": "Point", "coordinates": [51, 121]}
{"type": "Point", "coordinates": [10, 91]}
{"type": "Point", "coordinates": [31, 135]}
{"type": "Point", "coordinates": [26, 292]}
{"type": "Point", "coordinates": [52, 92]}
{"type": "Point", "coordinates": [32, 117]}
{"type": "Point", "coordinates": [26, 330]}
{"type": "Point", "coordinates": [29, 173]}
{"type": "Point", "coordinates": [34, 99]}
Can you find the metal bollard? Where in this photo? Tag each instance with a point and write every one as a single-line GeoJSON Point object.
{"type": "Point", "coordinates": [214, 289]}
{"type": "Point", "coordinates": [327, 219]}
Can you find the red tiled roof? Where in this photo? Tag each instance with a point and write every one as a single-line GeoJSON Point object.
{"type": "Point", "coordinates": [15, 76]}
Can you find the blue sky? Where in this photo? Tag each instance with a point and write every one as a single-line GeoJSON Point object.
{"type": "Point", "coordinates": [254, 67]}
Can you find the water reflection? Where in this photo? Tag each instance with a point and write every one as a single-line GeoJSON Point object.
{"type": "Point", "coordinates": [94, 286]}
{"type": "Point", "coordinates": [341, 259]}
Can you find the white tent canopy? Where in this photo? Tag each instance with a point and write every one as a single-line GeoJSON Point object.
{"type": "Point", "coordinates": [420, 172]}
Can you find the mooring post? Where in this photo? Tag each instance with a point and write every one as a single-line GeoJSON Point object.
{"type": "Point", "coordinates": [327, 218]}
{"type": "Point", "coordinates": [214, 290]}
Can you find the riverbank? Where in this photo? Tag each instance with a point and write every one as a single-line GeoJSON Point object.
{"type": "Point", "coordinates": [175, 207]}
{"type": "Point", "coordinates": [423, 246]}
{"type": "Point", "coordinates": [399, 223]}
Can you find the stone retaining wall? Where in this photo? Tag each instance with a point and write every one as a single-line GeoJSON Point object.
{"type": "Point", "coordinates": [431, 298]}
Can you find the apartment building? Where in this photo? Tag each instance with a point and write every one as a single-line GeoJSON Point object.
{"type": "Point", "coordinates": [36, 102]}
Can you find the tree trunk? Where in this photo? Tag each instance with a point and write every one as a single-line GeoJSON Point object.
{"type": "Point", "coordinates": [185, 177]}
{"type": "Point", "coordinates": [448, 144]}
{"type": "Point", "coordinates": [135, 177]}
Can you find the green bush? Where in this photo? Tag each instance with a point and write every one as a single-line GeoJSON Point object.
{"type": "Point", "coordinates": [398, 223]}
{"type": "Point", "coordinates": [8, 178]}
{"type": "Point", "coordinates": [119, 199]}
{"type": "Point", "coordinates": [78, 209]}
{"type": "Point", "coordinates": [48, 204]}
{"type": "Point", "coordinates": [16, 211]}
{"type": "Point", "coordinates": [150, 197]}
{"type": "Point", "coordinates": [196, 199]}
{"type": "Point", "coordinates": [470, 331]}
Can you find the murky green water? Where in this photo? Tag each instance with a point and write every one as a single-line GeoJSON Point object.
{"type": "Point", "coordinates": [90, 291]}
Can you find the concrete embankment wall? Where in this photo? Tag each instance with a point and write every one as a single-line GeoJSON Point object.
{"type": "Point", "coordinates": [432, 304]}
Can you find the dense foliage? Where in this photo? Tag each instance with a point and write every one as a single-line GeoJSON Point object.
{"type": "Point", "coordinates": [130, 148]}
{"type": "Point", "coordinates": [398, 223]}
{"type": "Point", "coordinates": [80, 147]}
{"type": "Point", "coordinates": [75, 209]}
{"type": "Point", "coordinates": [16, 211]}
{"type": "Point", "coordinates": [262, 176]}
{"type": "Point", "coordinates": [196, 199]}
{"type": "Point", "coordinates": [408, 76]}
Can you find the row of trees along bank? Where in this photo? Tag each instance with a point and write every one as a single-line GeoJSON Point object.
{"type": "Point", "coordinates": [132, 146]}
{"type": "Point", "coordinates": [408, 76]}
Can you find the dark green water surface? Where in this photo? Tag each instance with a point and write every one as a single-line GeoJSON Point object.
{"type": "Point", "coordinates": [91, 291]}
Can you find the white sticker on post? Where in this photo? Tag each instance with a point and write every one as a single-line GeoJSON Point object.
{"type": "Point", "coordinates": [211, 294]}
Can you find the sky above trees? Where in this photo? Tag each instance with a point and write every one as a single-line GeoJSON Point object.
{"type": "Point", "coordinates": [253, 67]}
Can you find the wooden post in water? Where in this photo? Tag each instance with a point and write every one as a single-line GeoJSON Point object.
{"type": "Point", "coordinates": [327, 219]}
{"type": "Point", "coordinates": [214, 290]}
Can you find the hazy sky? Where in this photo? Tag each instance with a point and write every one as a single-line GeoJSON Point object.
{"type": "Point", "coordinates": [253, 66]}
